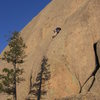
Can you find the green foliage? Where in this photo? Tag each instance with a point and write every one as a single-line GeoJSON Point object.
{"type": "Point", "coordinates": [38, 88]}
{"type": "Point", "coordinates": [16, 53]}
{"type": "Point", "coordinates": [7, 80]}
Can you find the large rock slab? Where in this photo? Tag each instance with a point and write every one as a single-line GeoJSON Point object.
{"type": "Point", "coordinates": [70, 54]}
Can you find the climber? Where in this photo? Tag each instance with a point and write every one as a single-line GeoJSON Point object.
{"type": "Point", "coordinates": [57, 30]}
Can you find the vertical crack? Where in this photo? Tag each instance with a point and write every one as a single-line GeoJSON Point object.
{"type": "Point", "coordinates": [97, 65]}
{"type": "Point", "coordinates": [96, 60]}
{"type": "Point", "coordinates": [95, 70]}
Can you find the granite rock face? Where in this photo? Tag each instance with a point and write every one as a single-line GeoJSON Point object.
{"type": "Point", "coordinates": [85, 96]}
{"type": "Point", "coordinates": [70, 52]}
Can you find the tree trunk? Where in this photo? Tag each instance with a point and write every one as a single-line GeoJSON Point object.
{"type": "Point", "coordinates": [15, 93]}
{"type": "Point", "coordinates": [40, 86]}
{"type": "Point", "coordinates": [30, 81]}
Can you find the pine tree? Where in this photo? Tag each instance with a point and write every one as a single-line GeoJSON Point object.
{"type": "Point", "coordinates": [15, 55]}
{"type": "Point", "coordinates": [38, 89]}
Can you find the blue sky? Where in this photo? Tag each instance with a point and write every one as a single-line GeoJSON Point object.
{"type": "Point", "coordinates": [15, 14]}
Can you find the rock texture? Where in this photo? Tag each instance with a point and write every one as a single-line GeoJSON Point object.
{"type": "Point", "coordinates": [70, 53]}
{"type": "Point", "coordinates": [96, 86]}
{"type": "Point", "coordinates": [85, 96]}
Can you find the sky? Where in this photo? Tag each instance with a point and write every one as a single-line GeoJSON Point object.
{"type": "Point", "coordinates": [15, 14]}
